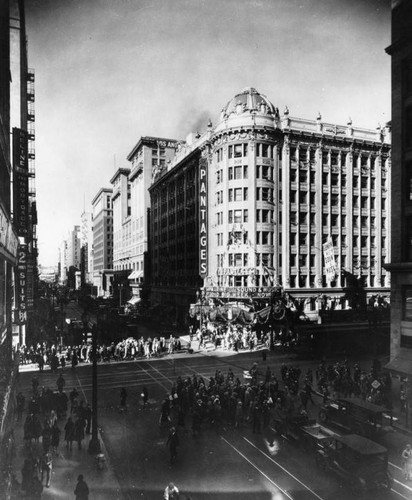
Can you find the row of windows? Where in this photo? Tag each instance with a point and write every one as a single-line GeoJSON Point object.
{"type": "Point", "coordinates": [241, 150]}
{"type": "Point", "coordinates": [264, 172]}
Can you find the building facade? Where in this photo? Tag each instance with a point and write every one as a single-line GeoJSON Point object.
{"type": "Point", "coordinates": [149, 156]}
{"type": "Point", "coordinates": [102, 219]}
{"type": "Point", "coordinates": [8, 235]}
{"type": "Point", "coordinates": [174, 231]}
{"type": "Point", "coordinates": [273, 192]}
{"type": "Point", "coordinates": [73, 248]}
{"type": "Point", "coordinates": [401, 209]}
{"type": "Point", "coordinates": [86, 247]}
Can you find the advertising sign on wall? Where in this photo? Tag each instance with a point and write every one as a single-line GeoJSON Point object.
{"type": "Point", "coordinates": [21, 282]}
{"type": "Point", "coordinates": [203, 219]}
{"type": "Point", "coordinates": [20, 182]}
{"type": "Point", "coordinates": [329, 256]}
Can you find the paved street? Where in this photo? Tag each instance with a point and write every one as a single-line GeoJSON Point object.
{"type": "Point", "coordinates": [231, 463]}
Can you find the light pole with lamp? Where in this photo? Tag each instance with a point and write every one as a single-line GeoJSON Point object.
{"type": "Point", "coordinates": [94, 444]}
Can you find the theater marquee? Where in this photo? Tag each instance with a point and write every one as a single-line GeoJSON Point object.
{"type": "Point", "coordinates": [203, 219]}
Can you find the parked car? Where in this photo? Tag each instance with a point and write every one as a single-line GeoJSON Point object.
{"type": "Point", "coordinates": [361, 463]}
{"type": "Point", "coordinates": [356, 415]}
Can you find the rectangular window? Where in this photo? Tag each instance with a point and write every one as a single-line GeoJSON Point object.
{"type": "Point", "coordinates": [245, 193]}
{"type": "Point", "coordinates": [246, 215]}
{"type": "Point", "coordinates": [230, 218]}
{"type": "Point", "coordinates": [230, 173]}
{"type": "Point", "coordinates": [237, 172]}
{"type": "Point", "coordinates": [237, 216]}
{"type": "Point", "coordinates": [238, 259]}
{"type": "Point", "coordinates": [245, 171]}
{"type": "Point", "coordinates": [238, 194]}
{"type": "Point", "coordinates": [266, 172]}
{"type": "Point", "coordinates": [238, 150]}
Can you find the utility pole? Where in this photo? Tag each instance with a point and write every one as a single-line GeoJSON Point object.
{"type": "Point", "coordinates": [94, 444]}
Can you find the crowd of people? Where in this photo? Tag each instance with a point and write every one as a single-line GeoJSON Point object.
{"type": "Point", "coordinates": [59, 355]}
{"type": "Point", "coordinates": [43, 435]}
{"type": "Point", "coordinates": [225, 400]}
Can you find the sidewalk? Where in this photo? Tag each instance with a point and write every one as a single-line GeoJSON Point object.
{"type": "Point", "coordinates": [67, 465]}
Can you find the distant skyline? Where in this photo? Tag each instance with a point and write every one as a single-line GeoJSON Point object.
{"type": "Point", "coordinates": [109, 72]}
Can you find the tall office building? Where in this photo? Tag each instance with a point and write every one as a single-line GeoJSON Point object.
{"type": "Point", "coordinates": [86, 247]}
{"type": "Point", "coordinates": [102, 220]}
{"type": "Point", "coordinates": [271, 195]}
{"type": "Point", "coordinates": [400, 266]}
{"type": "Point", "coordinates": [73, 248]}
{"type": "Point", "coordinates": [150, 156]}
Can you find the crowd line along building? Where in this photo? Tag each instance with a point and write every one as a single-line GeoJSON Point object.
{"type": "Point", "coordinates": [254, 202]}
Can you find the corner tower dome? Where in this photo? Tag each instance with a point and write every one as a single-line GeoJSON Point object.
{"type": "Point", "coordinates": [248, 109]}
{"type": "Point", "coordinates": [249, 99]}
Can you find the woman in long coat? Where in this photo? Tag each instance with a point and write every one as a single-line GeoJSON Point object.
{"type": "Point", "coordinates": [69, 433]}
{"type": "Point", "coordinates": [55, 437]}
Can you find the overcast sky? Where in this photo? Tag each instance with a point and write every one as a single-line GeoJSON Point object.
{"type": "Point", "coordinates": [110, 71]}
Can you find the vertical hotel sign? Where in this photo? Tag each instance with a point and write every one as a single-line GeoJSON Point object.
{"type": "Point", "coordinates": [203, 218]}
{"type": "Point", "coordinates": [329, 256]}
{"type": "Point", "coordinates": [20, 182]}
{"type": "Point", "coordinates": [21, 285]}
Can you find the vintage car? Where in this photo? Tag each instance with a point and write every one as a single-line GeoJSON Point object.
{"type": "Point", "coordinates": [356, 415]}
{"type": "Point", "coordinates": [361, 463]}
{"type": "Point", "coordinates": [315, 436]}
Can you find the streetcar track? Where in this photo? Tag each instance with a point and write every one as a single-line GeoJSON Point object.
{"type": "Point", "coordinates": [283, 468]}
{"type": "Point", "coordinates": [257, 468]}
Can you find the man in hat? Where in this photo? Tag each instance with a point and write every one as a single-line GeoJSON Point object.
{"type": "Point", "coordinates": [82, 490]}
{"type": "Point", "coordinates": [171, 492]}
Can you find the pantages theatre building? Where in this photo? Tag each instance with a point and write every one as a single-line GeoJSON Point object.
{"type": "Point", "coordinates": [264, 200]}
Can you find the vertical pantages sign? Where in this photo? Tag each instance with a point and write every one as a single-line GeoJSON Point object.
{"type": "Point", "coordinates": [21, 299]}
{"type": "Point", "coordinates": [203, 218]}
{"type": "Point", "coordinates": [20, 182]}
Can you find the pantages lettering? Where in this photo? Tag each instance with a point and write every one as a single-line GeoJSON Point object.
{"type": "Point", "coordinates": [203, 218]}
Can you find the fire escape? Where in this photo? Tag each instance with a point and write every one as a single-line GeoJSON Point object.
{"type": "Point", "coordinates": [32, 239]}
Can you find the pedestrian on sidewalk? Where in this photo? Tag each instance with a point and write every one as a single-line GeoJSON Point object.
{"type": "Point", "coordinates": [46, 467]}
{"type": "Point", "coordinates": [60, 383]}
{"type": "Point", "coordinates": [407, 462]}
{"type": "Point", "coordinates": [55, 437]}
{"type": "Point", "coordinates": [87, 413]}
{"type": "Point", "coordinates": [173, 442]}
{"type": "Point", "coordinates": [69, 433]}
{"type": "Point", "coordinates": [79, 426]}
{"type": "Point", "coordinates": [171, 492]}
{"type": "Point", "coordinates": [82, 490]}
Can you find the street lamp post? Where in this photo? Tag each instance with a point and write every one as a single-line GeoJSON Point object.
{"type": "Point", "coordinates": [94, 444]}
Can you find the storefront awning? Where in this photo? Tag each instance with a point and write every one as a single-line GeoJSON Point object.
{"type": "Point", "coordinates": [402, 363]}
{"type": "Point", "coordinates": [134, 300]}
{"type": "Point", "coordinates": [135, 275]}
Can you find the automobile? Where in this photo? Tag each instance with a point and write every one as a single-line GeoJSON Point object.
{"type": "Point", "coordinates": [361, 463]}
{"type": "Point", "coordinates": [356, 415]}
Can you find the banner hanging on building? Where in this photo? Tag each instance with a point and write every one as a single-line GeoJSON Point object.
{"type": "Point", "coordinates": [203, 218]}
{"type": "Point", "coordinates": [21, 283]}
{"type": "Point", "coordinates": [20, 182]}
{"type": "Point", "coordinates": [329, 256]}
